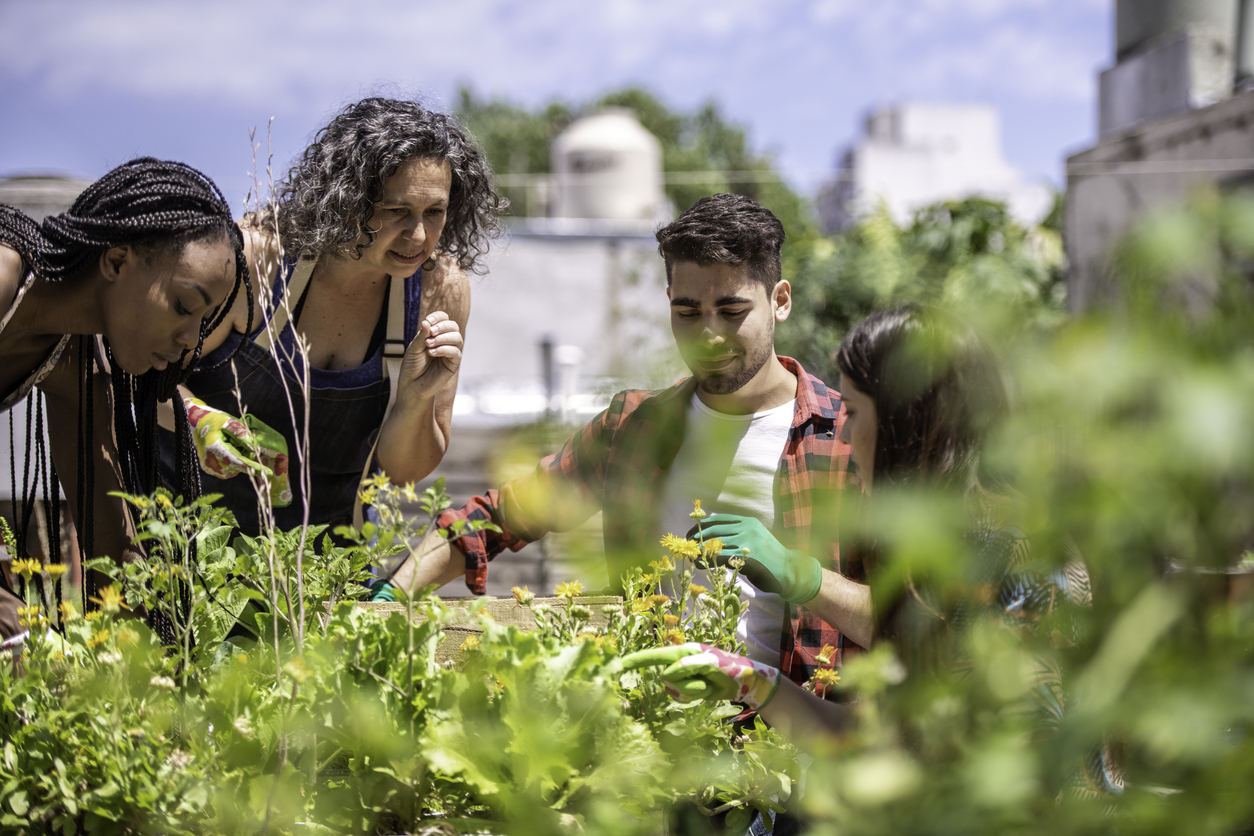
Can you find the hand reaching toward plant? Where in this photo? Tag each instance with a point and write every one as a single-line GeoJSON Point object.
{"type": "Point", "coordinates": [701, 671]}
{"type": "Point", "coordinates": [794, 576]}
{"type": "Point", "coordinates": [227, 446]}
{"type": "Point", "coordinates": [432, 359]}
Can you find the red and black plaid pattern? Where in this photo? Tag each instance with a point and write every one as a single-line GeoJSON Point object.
{"type": "Point", "coordinates": [617, 463]}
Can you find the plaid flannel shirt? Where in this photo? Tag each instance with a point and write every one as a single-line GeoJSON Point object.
{"type": "Point", "coordinates": [618, 463]}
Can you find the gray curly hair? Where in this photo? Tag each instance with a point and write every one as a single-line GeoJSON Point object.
{"type": "Point", "coordinates": [328, 196]}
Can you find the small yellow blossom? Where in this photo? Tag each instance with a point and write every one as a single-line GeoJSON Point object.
{"type": "Point", "coordinates": [409, 493]}
{"type": "Point", "coordinates": [110, 599]}
{"type": "Point", "coordinates": [658, 600]}
{"type": "Point", "coordinates": [641, 605]}
{"type": "Point", "coordinates": [712, 548]}
{"type": "Point", "coordinates": [56, 570]}
{"type": "Point", "coordinates": [648, 578]}
{"type": "Point", "coordinates": [698, 589]}
{"type": "Point", "coordinates": [164, 501]}
{"type": "Point", "coordinates": [67, 611]}
{"type": "Point", "coordinates": [571, 589]}
{"type": "Point", "coordinates": [673, 637]}
{"type": "Point", "coordinates": [523, 595]}
{"type": "Point", "coordinates": [99, 638]}
{"type": "Point", "coordinates": [662, 566]}
{"type": "Point", "coordinates": [599, 639]}
{"type": "Point", "coordinates": [824, 678]}
{"type": "Point", "coordinates": [93, 615]}
{"type": "Point", "coordinates": [670, 619]}
{"type": "Point", "coordinates": [297, 669]}
{"type": "Point", "coordinates": [826, 655]}
{"type": "Point", "coordinates": [25, 566]}
{"type": "Point", "coordinates": [697, 513]}
{"type": "Point", "coordinates": [679, 547]}
{"type": "Point", "coordinates": [471, 643]}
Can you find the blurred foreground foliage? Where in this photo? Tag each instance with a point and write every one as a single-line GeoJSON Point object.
{"type": "Point", "coordinates": [1131, 448]}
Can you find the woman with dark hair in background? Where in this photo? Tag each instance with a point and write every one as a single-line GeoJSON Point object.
{"type": "Point", "coordinates": [364, 259]}
{"type": "Point", "coordinates": [145, 258]}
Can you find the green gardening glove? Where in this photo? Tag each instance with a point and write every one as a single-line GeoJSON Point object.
{"type": "Point", "coordinates": [794, 576]}
{"type": "Point", "coordinates": [703, 672]}
{"type": "Point", "coordinates": [381, 592]}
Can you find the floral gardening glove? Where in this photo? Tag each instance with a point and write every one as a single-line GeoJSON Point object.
{"type": "Point", "coordinates": [794, 576]}
{"type": "Point", "coordinates": [224, 445]}
{"type": "Point", "coordinates": [703, 672]}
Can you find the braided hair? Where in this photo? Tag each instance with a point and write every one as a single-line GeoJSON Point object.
{"type": "Point", "coordinates": [147, 203]}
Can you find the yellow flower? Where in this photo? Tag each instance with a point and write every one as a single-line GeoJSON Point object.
{"type": "Point", "coordinates": [67, 611]}
{"type": "Point", "coordinates": [99, 638]}
{"type": "Point", "coordinates": [698, 589]}
{"type": "Point", "coordinates": [599, 639]}
{"type": "Point", "coordinates": [641, 605]}
{"type": "Point", "coordinates": [297, 669]}
{"type": "Point", "coordinates": [523, 595]}
{"type": "Point", "coordinates": [25, 566]}
{"type": "Point", "coordinates": [409, 493]}
{"type": "Point", "coordinates": [658, 600]}
{"type": "Point", "coordinates": [823, 679]}
{"type": "Point", "coordinates": [648, 577]}
{"type": "Point", "coordinates": [670, 619]}
{"type": "Point", "coordinates": [673, 637]}
{"type": "Point", "coordinates": [471, 643]}
{"type": "Point", "coordinates": [679, 547]}
{"type": "Point", "coordinates": [110, 599]}
{"type": "Point", "coordinates": [56, 570]}
{"type": "Point", "coordinates": [662, 566]}
{"type": "Point", "coordinates": [164, 501]}
{"type": "Point", "coordinates": [826, 655]}
{"type": "Point", "coordinates": [571, 589]}
{"type": "Point", "coordinates": [697, 513]}
{"type": "Point", "coordinates": [93, 615]}
{"type": "Point", "coordinates": [712, 548]}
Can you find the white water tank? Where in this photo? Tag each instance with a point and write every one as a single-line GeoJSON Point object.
{"type": "Point", "coordinates": [607, 166]}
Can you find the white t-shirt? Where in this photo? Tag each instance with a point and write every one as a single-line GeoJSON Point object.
{"type": "Point", "coordinates": [730, 463]}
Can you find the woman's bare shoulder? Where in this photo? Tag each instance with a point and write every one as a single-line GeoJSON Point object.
{"type": "Point", "coordinates": [12, 271]}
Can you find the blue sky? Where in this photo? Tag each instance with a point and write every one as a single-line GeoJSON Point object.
{"type": "Point", "coordinates": [85, 85]}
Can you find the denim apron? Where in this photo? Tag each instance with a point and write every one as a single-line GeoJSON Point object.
{"type": "Point", "coordinates": [347, 409]}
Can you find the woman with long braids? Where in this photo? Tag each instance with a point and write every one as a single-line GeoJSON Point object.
{"type": "Point", "coordinates": [145, 258]}
{"type": "Point", "coordinates": [364, 257]}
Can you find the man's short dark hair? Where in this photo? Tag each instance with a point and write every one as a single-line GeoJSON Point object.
{"type": "Point", "coordinates": [726, 229]}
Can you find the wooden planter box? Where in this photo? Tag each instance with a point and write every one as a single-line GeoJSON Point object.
{"type": "Point", "coordinates": [505, 611]}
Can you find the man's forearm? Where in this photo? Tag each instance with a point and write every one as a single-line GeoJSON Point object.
{"type": "Point", "coordinates": [435, 561]}
{"type": "Point", "coordinates": [846, 605]}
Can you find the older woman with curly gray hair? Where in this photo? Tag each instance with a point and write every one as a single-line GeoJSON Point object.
{"type": "Point", "coordinates": [363, 259]}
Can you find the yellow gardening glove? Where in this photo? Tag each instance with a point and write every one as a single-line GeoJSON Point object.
{"type": "Point", "coordinates": [225, 446]}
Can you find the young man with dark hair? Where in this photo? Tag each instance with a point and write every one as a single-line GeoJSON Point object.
{"type": "Point", "coordinates": [750, 434]}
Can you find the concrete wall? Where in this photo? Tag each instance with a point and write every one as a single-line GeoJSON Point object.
{"type": "Point", "coordinates": [577, 284]}
{"type": "Point", "coordinates": [1111, 185]}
